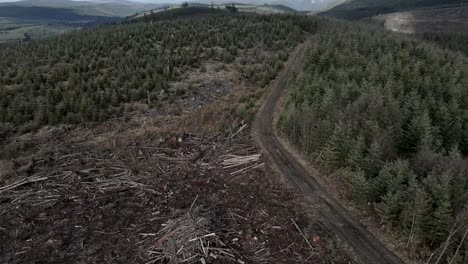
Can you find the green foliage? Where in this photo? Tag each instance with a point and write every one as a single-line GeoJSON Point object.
{"type": "Point", "coordinates": [389, 208]}
{"type": "Point", "coordinates": [441, 219]}
{"type": "Point", "coordinates": [86, 76]}
{"type": "Point", "coordinates": [176, 13]}
{"type": "Point", "coordinates": [448, 40]}
{"type": "Point", "coordinates": [393, 111]}
{"type": "Point", "coordinates": [360, 185]}
{"type": "Point", "coordinates": [415, 208]}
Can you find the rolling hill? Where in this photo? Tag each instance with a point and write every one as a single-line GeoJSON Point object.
{"type": "Point", "coordinates": [111, 8]}
{"type": "Point", "coordinates": [43, 18]}
{"type": "Point", "coordinates": [299, 5]}
{"type": "Point", "coordinates": [45, 14]}
{"type": "Point", "coordinates": [358, 9]}
{"type": "Point", "coordinates": [441, 20]}
{"type": "Point", "coordinates": [171, 11]}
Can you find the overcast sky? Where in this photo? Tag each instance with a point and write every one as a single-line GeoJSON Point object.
{"type": "Point", "coordinates": [147, 1]}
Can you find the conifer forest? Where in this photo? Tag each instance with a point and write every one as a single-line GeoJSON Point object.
{"type": "Point", "coordinates": [388, 114]}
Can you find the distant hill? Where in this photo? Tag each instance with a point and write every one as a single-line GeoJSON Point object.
{"type": "Point", "coordinates": [174, 12]}
{"type": "Point", "coordinates": [265, 8]}
{"type": "Point", "coordinates": [284, 8]}
{"type": "Point", "coordinates": [32, 19]}
{"type": "Point", "coordinates": [298, 5]}
{"type": "Point", "coordinates": [201, 8]}
{"type": "Point", "coordinates": [111, 8]}
{"type": "Point", "coordinates": [357, 9]}
{"type": "Point", "coordinates": [442, 22]}
{"type": "Point", "coordinates": [35, 13]}
{"type": "Point", "coordinates": [437, 20]}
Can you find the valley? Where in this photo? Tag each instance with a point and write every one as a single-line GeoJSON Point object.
{"type": "Point", "coordinates": [44, 18]}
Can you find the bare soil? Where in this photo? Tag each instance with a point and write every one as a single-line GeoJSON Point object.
{"type": "Point", "coordinates": [134, 189]}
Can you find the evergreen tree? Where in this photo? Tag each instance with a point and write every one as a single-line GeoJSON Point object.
{"type": "Point", "coordinates": [414, 213]}
{"type": "Point", "coordinates": [389, 208]}
{"type": "Point", "coordinates": [361, 188]}
{"type": "Point", "coordinates": [355, 158]}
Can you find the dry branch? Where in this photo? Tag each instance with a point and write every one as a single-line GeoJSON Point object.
{"type": "Point", "coordinates": [187, 239]}
{"type": "Point", "coordinates": [302, 234]}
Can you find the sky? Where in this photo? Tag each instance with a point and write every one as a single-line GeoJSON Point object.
{"type": "Point", "coordinates": [144, 1]}
{"type": "Point", "coordinates": [297, 4]}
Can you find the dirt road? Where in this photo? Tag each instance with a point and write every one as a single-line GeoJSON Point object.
{"type": "Point", "coordinates": [365, 247]}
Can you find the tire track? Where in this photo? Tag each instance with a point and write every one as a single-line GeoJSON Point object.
{"type": "Point", "coordinates": [365, 247]}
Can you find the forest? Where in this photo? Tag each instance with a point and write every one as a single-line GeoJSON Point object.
{"type": "Point", "coordinates": [448, 40]}
{"type": "Point", "coordinates": [90, 75]}
{"type": "Point", "coordinates": [388, 114]}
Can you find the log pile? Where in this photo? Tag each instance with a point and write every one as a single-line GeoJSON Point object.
{"type": "Point", "coordinates": [241, 164]}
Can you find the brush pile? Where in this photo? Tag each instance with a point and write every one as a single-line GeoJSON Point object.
{"type": "Point", "coordinates": [188, 239]}
{"type": "Point", "coordinates": [135, 204]}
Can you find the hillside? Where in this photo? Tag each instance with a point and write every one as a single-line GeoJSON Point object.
{"type": "Point", "coordinates": [299, 5]}
{"type": "Point", "coordinates": [87, 8]}
{"type": "Point", "coordinates": [46, 14]}
{"type": "Point", "coordinates": [440, 20]}
{"type": "Point", "coordinates": [43, 18]}
{"type": "Point", "coordinates": [136, 146]}
{"type": "Point", "coordinates": [384, 118]}
{"type": "Point", "coordinates": [444, 23]}
{"type": "Point", "coordinates": [26, 23]}
{"type": "Point", "coordinates": [357, 9]}
{"type": "Point", "coordinates": [267, 9]}
{"type": "Point", "coordinates": [198, 8]}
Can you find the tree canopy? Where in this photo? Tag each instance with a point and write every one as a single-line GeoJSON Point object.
{"type": "Point", "coordinates": [390, 114]}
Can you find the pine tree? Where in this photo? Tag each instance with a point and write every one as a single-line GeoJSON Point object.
{"type": "Point", "coordinates": [360, 188]}
{"type": "Point", "coordinates": [374, 159]}
{"type": "Point", "coordinates": [414, 212]}
{"type": "Point", "coordinates": [395, 177]}
{"type": "Point", "coordinates": [389, 208]}
{"type": "Point", "coordinates": [355, 158]}
{"type": "Point", "coordinates": [332, 152]}
{"type": "Point", "coordinates": [440, 221]}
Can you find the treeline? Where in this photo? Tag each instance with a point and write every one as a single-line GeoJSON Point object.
{"type": "Point", "coordinates": [188, 11]}
{"type": "Point", "coordinates": [89, 75]}
{"type": "Point", "coordinates": [390, 116]}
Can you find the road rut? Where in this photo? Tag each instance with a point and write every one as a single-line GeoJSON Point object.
{"type": "Point", "coordinates": [365, 247]}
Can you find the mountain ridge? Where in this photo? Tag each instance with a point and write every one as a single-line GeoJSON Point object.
{"type": "Point", "coordinates": [110, 8]}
